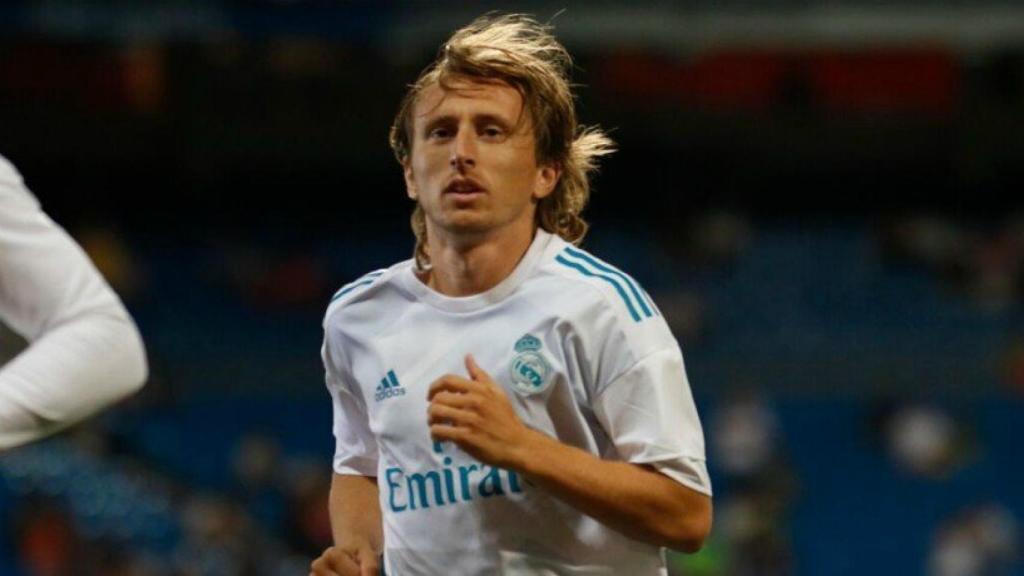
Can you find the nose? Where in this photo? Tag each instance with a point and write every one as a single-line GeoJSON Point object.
{"type": "Point", "coordinates": [463, 151]}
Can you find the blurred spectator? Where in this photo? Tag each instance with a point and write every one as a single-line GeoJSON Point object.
{"type": "Point", "coordinates": [308, 526]}
{"type": "Point", "coordinates": [685, 313]}
{"type": "Point", "coordinates": [981, 541]}
{"type": "Point", "coordinates": [924, 440]}
{"type": "Point", "coordinates": [714, 238]}
{"type": "Point", "coordinates": [933, 242]}
{"type": "Point", "coordinates": [294, 280]}
{"type": "Point", "coordinates": [258, 471]}
{"type": "Point", "coordinates": [270, 280]}
{"type": "Point", "coordinates": [744, 434]}
{"type": "Point", "coordinates": [108, 558]}
{"type": "Point", "coordinates": [751, 520]}
{"type": "Point", "coordinates": [753, 525]}
{"type": "Point", "coordinates": [219, 539]}
{"type": "Point", "coordinates": [47, 541]}
{"type": "Point", "coordinates": [114, 259]}
{"type": "Point", "coordinates": [987, 267]}
{"type": "Point", "coordinates": [718, 237]}
{"type": "Point", "coordinates": [995, 272]}
{"type": "Point", "coordinates": [1013, 365]}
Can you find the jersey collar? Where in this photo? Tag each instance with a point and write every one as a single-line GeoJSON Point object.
{"type": "Point", "coordinates": [522, 271]}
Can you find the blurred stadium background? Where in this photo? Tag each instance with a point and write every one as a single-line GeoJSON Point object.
{"type": "Point", "coordinates": [823, 196]}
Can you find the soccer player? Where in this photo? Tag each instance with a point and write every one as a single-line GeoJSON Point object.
{"type": "Point", "coordinates": [504, 402]}
{"type": "Point", "coordinates": [84, 350]}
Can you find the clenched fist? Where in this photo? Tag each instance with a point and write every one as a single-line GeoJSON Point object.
{"type": "Point", "coordinates": [354, 562]}
{"type": "Point", "coordinates": [476, 414]}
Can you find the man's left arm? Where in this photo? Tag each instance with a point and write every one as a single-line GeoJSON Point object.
{"type": "Point", "coordinates": [634, 499]}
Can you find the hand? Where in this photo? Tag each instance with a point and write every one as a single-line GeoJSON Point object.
{"type": "Point", "coordinates": [337, 562]}
{"type": "Point", "coordinates": [477, 415]}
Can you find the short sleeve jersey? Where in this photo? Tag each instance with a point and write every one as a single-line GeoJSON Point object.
{"type": "Point", "coordinates": [585, 357]}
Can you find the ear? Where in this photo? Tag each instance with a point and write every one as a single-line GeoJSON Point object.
{"type": "Point", "coordinates": [410, 182]}
{"type": "Point", "coordinates": [547, 179]}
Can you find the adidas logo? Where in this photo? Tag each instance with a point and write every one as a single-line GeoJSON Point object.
{"type": "Point", "coordinates": [388, 387]}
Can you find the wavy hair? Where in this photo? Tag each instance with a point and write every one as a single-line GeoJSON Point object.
{"type": "Point", "coordinates": [517, 50]}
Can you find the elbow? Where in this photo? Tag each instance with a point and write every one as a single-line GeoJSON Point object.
{"type": "Point", "coordinates": [134, 384]}
{"type": "Point", "coordinates": [126, 365]}
{"type": "Point", "coordinates": [690, 543]}
{"type": "Point", "coordinates": [689, 538]}
{"type": "Point", "coordinates": [687, 531]}
{"type": "Point", "coordinates": [136, 363]}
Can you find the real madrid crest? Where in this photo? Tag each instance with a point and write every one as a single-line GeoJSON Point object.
{"type": "Point", "coordinates": [530, 370]}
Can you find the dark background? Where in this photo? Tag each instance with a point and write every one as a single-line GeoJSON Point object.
{"type": "Point", "coordinates": [823, 198]}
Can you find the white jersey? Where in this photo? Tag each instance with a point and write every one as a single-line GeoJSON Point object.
{"type": "Point", "coordinates": [584, 356]}
{"type": "Point", "coordinates": [84, 350]}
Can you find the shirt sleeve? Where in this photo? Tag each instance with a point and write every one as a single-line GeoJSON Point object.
{"type": "Point", "coordinates": [649, 414]}
{"type": "Point", "coordinates": [355, 447]}
{"type": "Point", "coordinates": [84, 350]}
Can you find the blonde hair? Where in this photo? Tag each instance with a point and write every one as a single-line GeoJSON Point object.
{"type": "Point", "coordinates": [519, 51]}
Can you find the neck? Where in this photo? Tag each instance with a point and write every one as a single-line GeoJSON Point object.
{"type": "Point", "coordinates": [464, 265]}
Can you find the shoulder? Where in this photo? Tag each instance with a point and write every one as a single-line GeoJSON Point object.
{"type": "Point", "coordinates": [609, 311]}
{"type": "Point", "coordinates": [362, 292]}
{"type": "Point", "coordinates": [597, 282]}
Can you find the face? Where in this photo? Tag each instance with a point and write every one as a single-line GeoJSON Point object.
{"type": "Point", "coordinates": [473, 166]}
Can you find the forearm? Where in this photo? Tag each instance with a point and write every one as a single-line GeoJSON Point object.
{"type": "Point", "coordinates": [635, 500]}
{"type": "Point", "coordinates": [70, 372]}
{"type": "Point", "coordinates": [355, 512]}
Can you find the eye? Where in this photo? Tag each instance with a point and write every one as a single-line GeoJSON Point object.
{"type": "Point", "coordinates": [439, 133]}
{"type": "Point", "coordinates": [492, 131]}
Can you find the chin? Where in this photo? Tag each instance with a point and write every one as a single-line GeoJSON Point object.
{"type": "Point", "coordinates": [469, 226]}
{"type": "Point", "coordinates": [467, 222]}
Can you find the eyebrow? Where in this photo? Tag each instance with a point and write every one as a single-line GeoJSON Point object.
{"type": "Point", "coordinates": [478, 119]}
{"type": "Point", "coordinates": [492, 119]}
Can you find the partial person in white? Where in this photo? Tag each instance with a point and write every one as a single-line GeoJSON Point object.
{"type": "Point", "coordinates": [84, 351]}
{"type": "Point", "coordinates": [504, 402]}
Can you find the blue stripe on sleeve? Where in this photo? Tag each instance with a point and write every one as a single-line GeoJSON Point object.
{"type": "Point", "coordinates": [610, 270]}
{"type": "Point", "coordinates": [650, 302]}
{"type": "Point", "coordinates": [363, 281]}
{"type": "Point", "coordinates": [618, 288]}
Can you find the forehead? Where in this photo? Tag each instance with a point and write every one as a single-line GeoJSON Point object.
{"type": "Point", "coordinates": [468, 97]}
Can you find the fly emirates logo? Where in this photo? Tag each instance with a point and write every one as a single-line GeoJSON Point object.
{"type": "Point", "coordinates": [447, 485]}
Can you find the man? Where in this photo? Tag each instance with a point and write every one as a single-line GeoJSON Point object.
{"type": "Point", "coordinates": [505, 403]}
{"type": "Point", "coordinates": [84, 351]}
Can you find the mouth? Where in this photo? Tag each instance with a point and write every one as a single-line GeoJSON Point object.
{"type": "Point", "coordinates": [463, 188]}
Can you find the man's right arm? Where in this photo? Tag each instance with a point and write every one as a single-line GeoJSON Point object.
{"type": "Point", "coordinates": [355, 514]}
{"type": "Point", "coordinates": [356, 526]}
{"type": "Point", "coordinates": [354, 503]}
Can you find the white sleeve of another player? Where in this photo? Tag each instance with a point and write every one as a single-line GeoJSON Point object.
{"type": "Point", "coordinates": [649, 413]}
{"type": "Point", "coordinates": [84, 350]}
{"type": "Point", "coordinates": [355, 447]}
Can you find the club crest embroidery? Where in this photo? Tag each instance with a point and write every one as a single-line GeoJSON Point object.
{"type": "Point", "coordinates": [530, 370]}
